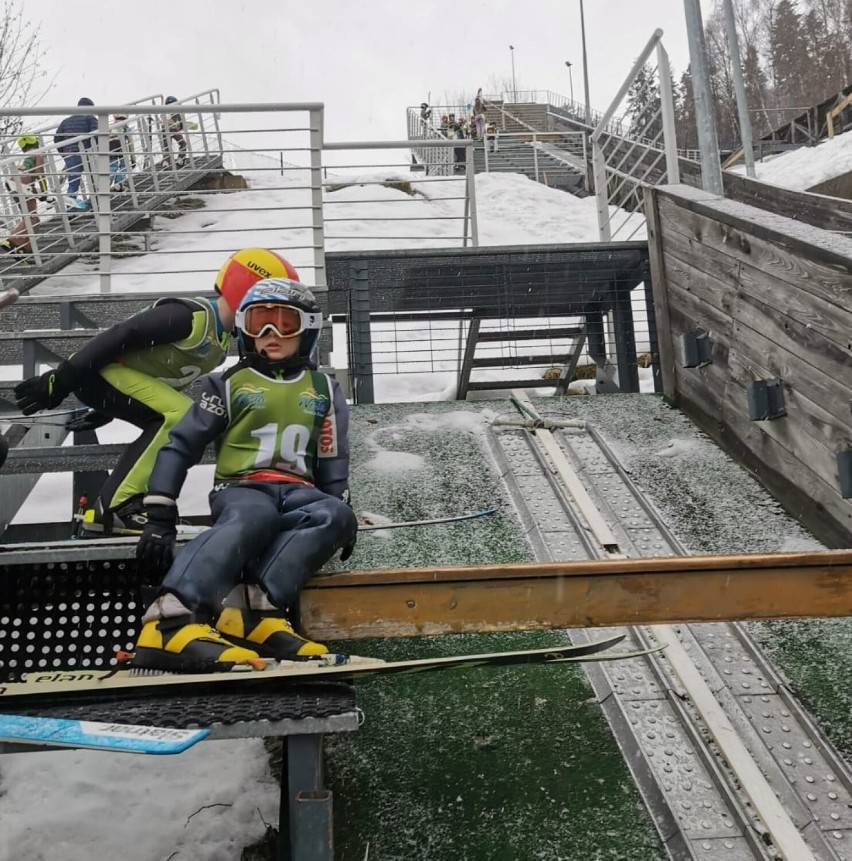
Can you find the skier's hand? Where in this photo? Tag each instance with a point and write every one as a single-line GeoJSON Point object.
{"type": "Point", "coordinates": [348, 548]}
{"type": "Point", "coordinates": [92, 420]}
{"type": "Point", "coordinates": [47, 391]}
{"type": "Point", "coordinates": [156, 547]}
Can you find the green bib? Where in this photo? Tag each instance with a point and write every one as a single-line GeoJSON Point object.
{"type": "Point", "coordinates": [275, 425]}
{"type": "Point", "coordinates": [182, 362]}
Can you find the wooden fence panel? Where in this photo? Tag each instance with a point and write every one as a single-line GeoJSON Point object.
{"type": "Point", "coordinates": [776, 299]}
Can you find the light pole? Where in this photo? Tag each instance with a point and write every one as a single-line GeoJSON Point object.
{"type": "Point", "coordinates": [585, 65]}
{"type": "Point", "coordinates": [571, 79]}
{"type": "Point", "coordinates": [514, 90]}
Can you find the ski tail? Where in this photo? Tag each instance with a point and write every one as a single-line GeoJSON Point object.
{"type": "Point", "coordinates": [96, 735]}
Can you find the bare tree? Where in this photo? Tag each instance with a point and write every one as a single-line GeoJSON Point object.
{"type": "Point", "coordinates": [21, 75]}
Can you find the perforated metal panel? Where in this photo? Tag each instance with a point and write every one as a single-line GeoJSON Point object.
{"type": "Point", "coordinates": [69, 615]}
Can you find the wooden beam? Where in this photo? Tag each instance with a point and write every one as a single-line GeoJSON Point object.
{"type": "Point", "coordinates": [538, 596]}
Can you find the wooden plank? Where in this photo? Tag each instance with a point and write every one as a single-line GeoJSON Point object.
{"type": "Point", "coordinates": [818, 210]}
{"type": "Point", "coordinates": [537, 596]}
{"type": "Point", "coordinates": [812, 453]}
{"type": "Point", "coordinates": [808, 428]}
{"type": "Point", "coordinates": [832, 318]}
{"type": "Point", "coordinates": [784, 344]}
{"type": "Point", "coordinates": [788, 257]}
{"type": "Point", "coordinates": [657, 257]}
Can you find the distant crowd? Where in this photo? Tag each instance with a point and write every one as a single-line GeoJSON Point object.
{"type": "Point", "coordinates": [473, 126]}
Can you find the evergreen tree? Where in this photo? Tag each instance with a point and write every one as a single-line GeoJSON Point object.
{"type": "Point", "coordinates": [687, 134]}
{"type": "Point", "coordinates": [788, 54]}
{"type": "Point", "coordinates": [644, 105]}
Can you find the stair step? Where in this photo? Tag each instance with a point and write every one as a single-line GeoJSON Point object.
{"type": "Point", "coordinates": [517, 361]}
{"type": "Point", "coordinates": [483, 385]}
{"type": "Point", "coordinates": [529, 334]}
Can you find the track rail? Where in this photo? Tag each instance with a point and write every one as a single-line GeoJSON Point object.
{"type": "Point", "coordinates": [729, 763]}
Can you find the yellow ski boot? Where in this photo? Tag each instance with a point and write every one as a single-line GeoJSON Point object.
{"type": "Point", "coordinates": [268, 632]}
{"type": "Point", "coordinates": [183, 645]}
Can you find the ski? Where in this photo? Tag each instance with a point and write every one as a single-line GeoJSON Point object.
{"type": "Point", "coordinates": [86, 684]}
{"type": "Point", "coordinates": [456, 518]}
{"type": "Point", "coordinates": [39, 417]}
{"type": "Point", "coordinates": [186, 531]}
{"type": "Point", "coordinates": [97, 735]}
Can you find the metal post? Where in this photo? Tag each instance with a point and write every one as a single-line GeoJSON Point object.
{"type": "Point", "coordinates": [317, 220]}
{"type": "Point", "coordinates": [585, 66]}
{"type": "Point", "coordinates": [667, 110]}
{"type": "Point", "coordinates": [739, 87]}
{"type": "Point", "coordinates": [360, 341]}
{"type": "Point", "coordinates": [470, 182]}
{"type": "Point", "coordinates": [514, 89]}
{"type": "Point", "coordinates": [601, 192]}
{"type": "Point", "coordinates": [535, 157]}
{"type": "Point", "coordinates": [571, 81]}
{"type": "Point", "coordinates": [102, 203]}
{"type": "Point", "coordinates": [705, 115]}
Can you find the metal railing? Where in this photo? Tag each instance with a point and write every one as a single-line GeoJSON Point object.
{"type": "Point", "coordinates": [624, 166]}
{"type": "Point", "coordinates": [243, 175]}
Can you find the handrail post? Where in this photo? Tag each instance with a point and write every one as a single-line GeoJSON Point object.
{"type": "Point", "coordinates": [667, 108]}
{"type": "Point", "coordinates": [535, 156]}
{"type": "Point", "coordinates": [601, 193]}
{"type": "Point", "coordinates": [470, 202]}
{"type": "Point", "coordinates": [102, 198]}
{"type": "Point", "coordinates": [317, 217]}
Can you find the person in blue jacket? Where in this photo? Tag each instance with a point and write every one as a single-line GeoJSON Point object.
{"type": "Point", "coordinates": [280, 505]}
{"type": "Point", "coordinates": [73, 127]}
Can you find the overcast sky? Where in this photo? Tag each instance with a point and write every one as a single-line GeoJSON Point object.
{"type": "Point", "coordinates": [365, 59]}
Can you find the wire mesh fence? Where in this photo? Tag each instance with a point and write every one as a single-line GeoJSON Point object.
{"type": "Point", "coordinates": [446, 324]}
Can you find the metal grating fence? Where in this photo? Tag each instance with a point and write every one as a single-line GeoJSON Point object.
{"type": "Point", "coordinates": [492, 318]}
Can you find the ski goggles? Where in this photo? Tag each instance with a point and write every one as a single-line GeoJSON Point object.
{"type": "Point", "coordinates": [284, 320]}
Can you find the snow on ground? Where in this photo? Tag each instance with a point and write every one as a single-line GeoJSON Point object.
{"type": "Point", "coordinates": [76, 806]}
{"type": "Point", "coordinates": [806, 167]}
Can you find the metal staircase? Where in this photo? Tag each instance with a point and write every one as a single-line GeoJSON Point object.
{"type": "Point", "coordinates": [564, 345]}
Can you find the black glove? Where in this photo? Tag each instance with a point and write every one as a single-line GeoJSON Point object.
{"type": "Point", "coordinates": [92, 420]}
{"type": "Point", "coordinates": [47, 391]}
{"type": "Point", "coordinates": [348, 548]}
{"type": "Point", "coordinates": [156, 547]}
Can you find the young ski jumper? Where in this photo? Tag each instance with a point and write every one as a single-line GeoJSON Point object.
{"type": "Point", "coordinates": [280, 505]}
{"type": "Point", "coordinates": [34, 187]}
{"type": "Point", "coordinates": [136, 370]}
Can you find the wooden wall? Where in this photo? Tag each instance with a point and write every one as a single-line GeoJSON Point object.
{"type": "Point", "coordinates": [775, 297]}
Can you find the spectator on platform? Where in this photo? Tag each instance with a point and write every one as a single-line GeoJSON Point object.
{"type": "Point", "coordinates": [34, 188]}
{"type": "Point", "coordinates": [479, 108]}
{"type": "Point", "coordinates": [425, 112]}
{"type": "Point", "coordinates": [73, 127]}
{"type": "Point", "coordinates": [445, 125]}
{"type": "Point", "coordinates": [118, 143]}
{"type": "Point", "coordinates": [174, 134]}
